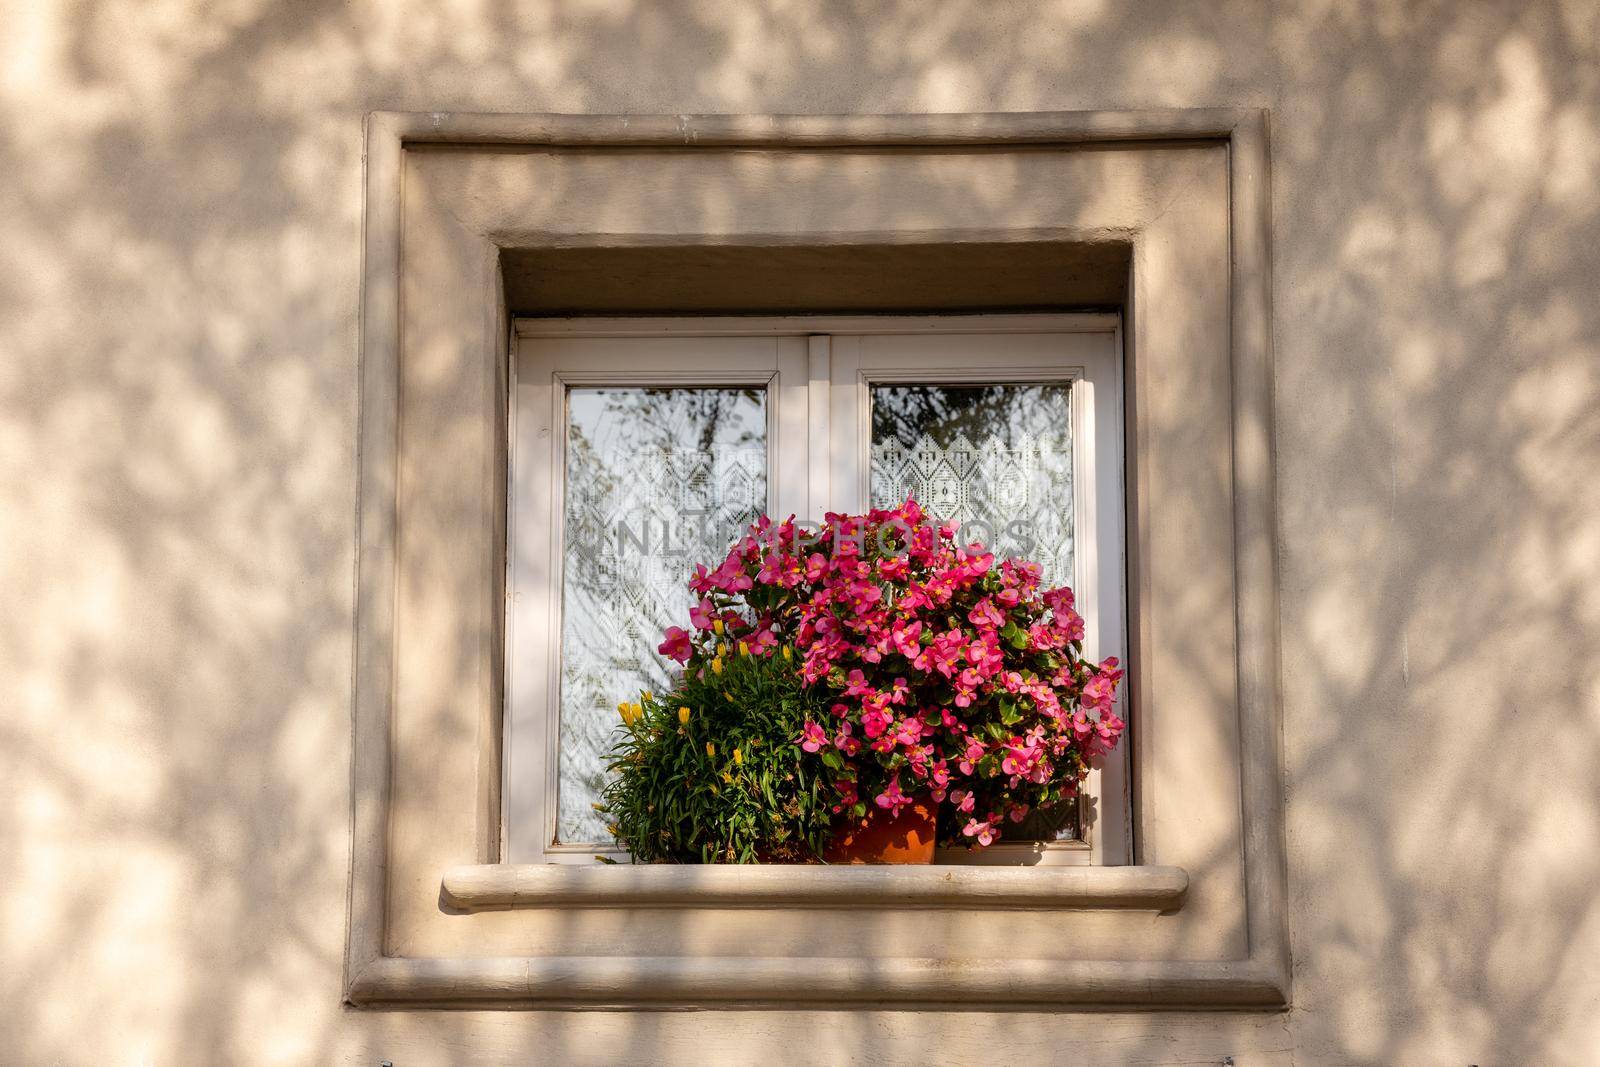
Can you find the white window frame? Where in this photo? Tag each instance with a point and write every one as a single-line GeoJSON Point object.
{"type": "Point", "coordinates": [819, 372]}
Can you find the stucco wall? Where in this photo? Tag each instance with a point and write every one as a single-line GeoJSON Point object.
{"type": "Point", "coordinates": [180, 191]}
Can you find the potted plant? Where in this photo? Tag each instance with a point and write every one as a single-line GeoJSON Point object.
{"type": "Point", "coordinates": [708, 772]}
{"type": "Point", "coordinates": [933, 691]}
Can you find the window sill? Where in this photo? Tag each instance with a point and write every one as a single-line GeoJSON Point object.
{"type": "Point", "coordinates": [502, 886]}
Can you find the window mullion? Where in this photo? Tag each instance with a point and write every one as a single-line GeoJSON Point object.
{"type": "Point", "coordinates": [819, 354]}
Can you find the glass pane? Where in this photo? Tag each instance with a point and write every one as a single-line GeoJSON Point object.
{"type": "Point", "coordinates": [998, 458]}
{"type": "Point", "coordinates": [656, 480]}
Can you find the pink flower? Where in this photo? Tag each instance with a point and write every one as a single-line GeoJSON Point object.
{"type": "Point", "coordinates": [1022, 574]}
{"type": "Point", "coordinates": [918, 756]}
{"type": "Point", "coordinates": [914, 598]}
{"type": "Point", "coordinates": [861, 596]}
{"type": "Point", "coordinates": [762, 642]}
{"type": "Point", "coordinates": [1069, 624]}
{"type": "Point", "coordinates": [985, 654]}
{"type": "Point", "coordinates": [1101, 690]}
{"type": "Point", "coordinates": [875, 722]}
{"type": "Point", "coordinates": [892, 799]}
{"type": "Point", "coordinates": [967, 683]}
{"type": "Point", "coordinates": [1024, 758]}
{"type": "Point", "coordinates": [1109, 728]}
{"type": "Point", "coordinates": [985, 615]}
{"type": "Point", "coordinates": [811, 737]}
{"type": "Point", "coordinates": [820, 658]}
{"type": "Point", "coordinates": [677, 645]}
{"type": "Point", "coordinates": [898, 691]}
{"type": "Point", "coordinates": [907, 639]}
{"type": "Point", "coordinates": [700, 581]}
{"type": "Point", "coordinates": [908, 731]}
{"type": "Point", "coordinates": [772, 569]}
{"type": "Point", "coordinates": [893, 568]}
{"type": "Point", "coordinates": [730, 576]}
{"type": "Point", "coordinates": [1042, 638]}
{"type": "Point", "coordinates": [983, 831]}
{"type": "Point", "coordinates": [943, 655]}
{"type": "Point", "coordinates": [962, 799]}
{"type": "Point", "coordinates": [1058, 600]}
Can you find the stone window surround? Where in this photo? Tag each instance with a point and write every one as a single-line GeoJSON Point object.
{"type": "Point", "coordinates": [431, 912]}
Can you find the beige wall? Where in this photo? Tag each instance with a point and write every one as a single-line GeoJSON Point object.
{"type": "Point", "coordinates": [180, 191]}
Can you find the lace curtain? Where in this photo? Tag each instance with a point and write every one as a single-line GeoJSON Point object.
{"type": "Point", "coordinates": [656, 481]}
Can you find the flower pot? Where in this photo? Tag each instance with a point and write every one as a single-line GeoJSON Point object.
{"type": "Point", "coordinates": [883, 837]}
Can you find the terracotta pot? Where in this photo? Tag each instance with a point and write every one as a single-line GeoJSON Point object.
{"type": "Point", "coordinates": [884, 838]}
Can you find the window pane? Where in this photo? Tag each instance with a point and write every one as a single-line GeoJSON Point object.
{"type": "Point", "coordinates": [998, 458]}
{"type": "Point", "coordinates": [656, 480]}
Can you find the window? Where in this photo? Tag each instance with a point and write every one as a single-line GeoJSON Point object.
{"type": "Point", "coordinates": [641, 447]}
{"type": "Point", "coordinates": [1164, 214]}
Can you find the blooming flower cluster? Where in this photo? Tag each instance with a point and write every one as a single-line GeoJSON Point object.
{"type": "Point", "coordinates": [952, 675]}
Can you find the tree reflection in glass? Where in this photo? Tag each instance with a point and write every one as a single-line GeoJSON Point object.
{"type": "Point", "coordinates": [997, 458]}
{"type": "Point", "coordinates": [656, 479]}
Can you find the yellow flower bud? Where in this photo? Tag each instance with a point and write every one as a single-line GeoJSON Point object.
{"type": "Point", "coordinates": [726, 777]}
{"type": "Point", "coordinates": [744, 648]}
{"type": "Point", "coordinates": [648, 696]}
{"type": "Point", "coordinates": [711, 750]}
{"type": "Point", "coordinates": [738, 757]}
{"type": "Point", "coordinates": [716, 665]}
{"type": "Point", "coordinates": [788, 653]}
{"type": "Point", "coordinates": [716, 625]}
{"type": "Point", "coordinates": [683, 715]}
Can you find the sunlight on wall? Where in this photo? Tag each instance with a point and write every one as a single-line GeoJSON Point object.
{"type": "Point", "coordinates": [181, 186]}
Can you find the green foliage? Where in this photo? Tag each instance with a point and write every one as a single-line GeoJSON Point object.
{"type": "Point", "coordinates": [727, 782]}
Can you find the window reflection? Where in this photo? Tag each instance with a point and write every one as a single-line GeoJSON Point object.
{"type": "Point", "coordinates": [656, 480]}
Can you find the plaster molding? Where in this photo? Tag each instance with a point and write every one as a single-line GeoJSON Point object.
{"type": "Point", "coordinates": [856, 983]}
{"type": "Point", "coordinates": [388, 963]}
